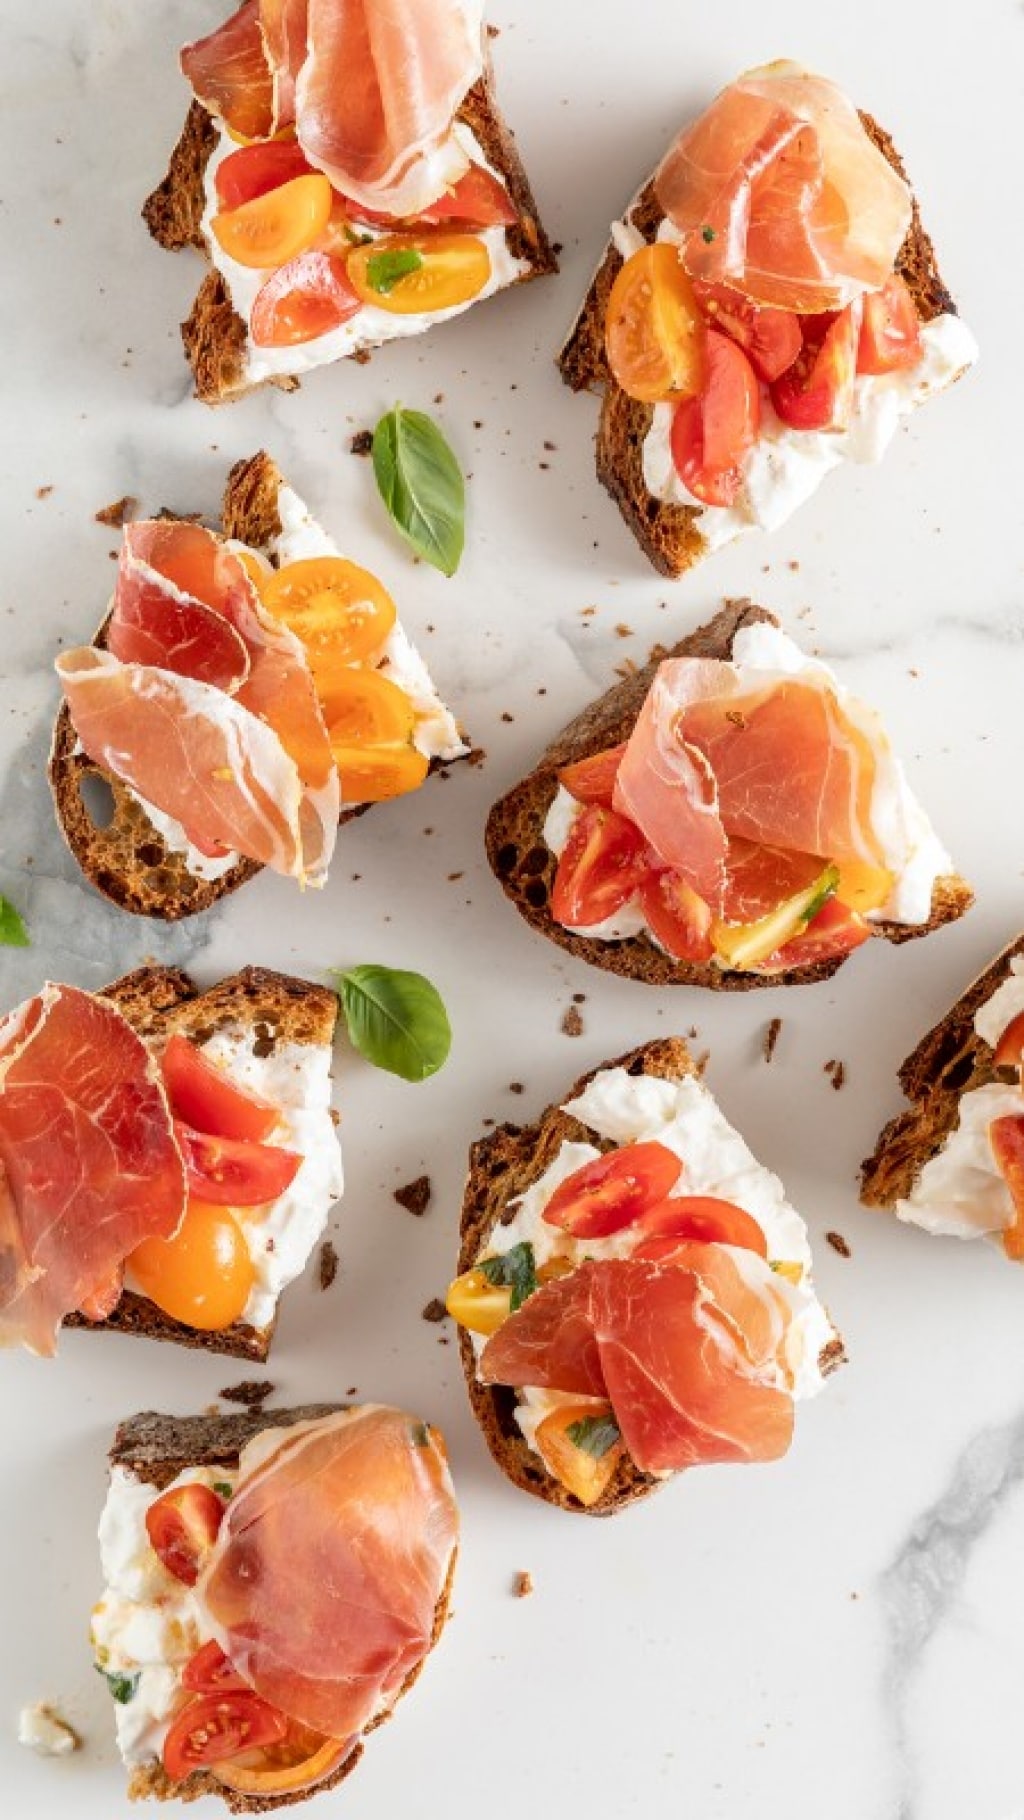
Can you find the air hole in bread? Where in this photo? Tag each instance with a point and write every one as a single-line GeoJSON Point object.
{"type": "Point", "coordinates": [505, 858]}
{"type": "Point", "coordinates": [536, 861]}
{"type": "Point", "coordinates": [536, 893]}
{"type": "Point", "coordinates": [98, 799]}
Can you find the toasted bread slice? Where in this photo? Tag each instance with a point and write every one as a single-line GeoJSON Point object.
{"type": "Point", "coordinates": [215, 336]}
{"type": "Point", "coordinates": [105, 826]}
{"type": "Point", "coordinates": [525, 866]}
{"type": "Point", "coordinates": [154, 1449]}
{"type": "Point", "coordinates": [502, 1166]}
{"type": "Point", "coordinates": [667, 532]}
{"type": "Point", "coordinates": [276, 1009]}
{"type": "Point", "coordinates": [951, 1060]}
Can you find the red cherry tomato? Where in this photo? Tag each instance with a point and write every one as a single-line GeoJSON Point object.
{"type": "Point", "coordinates": [213, 1728]}
{"type": "Point", "coordinates": [182, 1526]}
{"type": "Point", "coordinates": [613, 1191]}
{"type": "Point", "coordinates": [477, 200]}
{"type": "Point", "coordinates": [890, 332]}
{"type": "Point", "coordinates": [305, 298]}
{"type": "Point", "coordinates": [232, 1173]}
{"type": "Point", "coordinates": [209, 1671]}
{"type": "Point", "coordinates": [712, 433]}
{"type": "Point", "coordinates": [679, 920]}
{"type": "Point", "coordinates": [816, 392]}
{"type": "Point", "coordinates": [255, 169]}
{"type": "Point", "coordinates": [202, 1096]}
{"type": "Point", "coordinates": [592, 780]}
{"type": "Point", "coordinates": [1006, 1136]}
{"type": "Point", "coordinates": [1009, 1051]}
{"type": "Point", "coordinates": [702, 1217]}
{"type": "Point", "coordinates": [835, 930]}
{"type": "Point", "coordinates": [602, 866]}
{"type": "Point", "coordinates": [771, 339]}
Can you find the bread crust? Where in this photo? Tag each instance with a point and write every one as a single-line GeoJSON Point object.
{"type": "Point", "coordinates": [155, 1448]}
{"type": "Point", "coordinates": [667, 532]}
{"type": "Point", "coordinates": [525, 866]}
{"type": "Point", "coordinates": [214, 335]}
{"type": "Point", "coordinates": [949, 1061]}
{"type": "Point", "coordinates": [279, 1009]}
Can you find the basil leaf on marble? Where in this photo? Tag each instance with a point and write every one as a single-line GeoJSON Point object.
{"type": "Point", "coordinates": [397, 1020]}
{"type": "Point", "coordinates": [515, 1270]}
{"type": "Point", "coordinates": [594, 1435]}
{"type": "Point", "coordinates": [13, 933]}
{"type": "Point", "coordinates": [383, 270]}
{"type": "Point", "coordinates": [421, 485]}
{"type": "Point", "coordinates": [122, 1687]}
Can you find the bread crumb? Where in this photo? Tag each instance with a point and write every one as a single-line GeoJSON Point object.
{"type": "Point", "coordinates": [362, 443]}
{"type": "Point", "coordinates": [550, 446]}
{"type": "Point", "coordinates": [415, 1196]}
{"type": "Point", "coordinates": [771, 1037]}
{"type": "Point", "coordinates": [515, 1086]}
{"type": "Point", "coordinates": [701, 1063]}
{"type": "Point", "coordinates": [476, 756]}
{"type": "Point", "coordinates": [522, 1585]}
{"type": "Point", "coordinates": [579, 998]}
{"type": "Point", "coordinates": [327, 1269]}
{"type": "Point", "coordinates": [572, 1023]}
{"type": "Point", "coordinates": [251, 1391]}
{"type": "Point", "coordinates": [435, 1310]}
{"type": "Point", "coordinates": [838, 1243]}
{"type": "Point", "coordinates": [624, 631]}
{"type": "Point", "coordinates": [836, 1072]}
{"type": "Point", "coordinates": [118, 512]}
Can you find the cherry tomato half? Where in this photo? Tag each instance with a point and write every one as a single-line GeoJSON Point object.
{"type": "Point", "coordinates": [890, 332]}
{"type": "Point", "coordinates": [1009, 1051]}
{"type": "Point", "coordinates": [834, 931]}
{"type": "Point", "coordinates": [213, 1728]}
{"type": "Point", "coordinates": [703, 1217]}
{"type": "Point", "coordinates": [202, 1095]}
{"type": "Point", "coordinates": [712, 434]}
{"type": "Point", "coordinates": [273, 228]}
{"type": "Point", "coordinates": [1006, 1136]}
{"type": "Point", "coordinates": [204, 1275]}
{"type": "Point", "coordinates": [592, 780]}
{"type": "Point", "coordinates": [307, 297]}
{"type": "Point", "coordinates": [771, 339]}
{"type": "Point", "coordinates": [678, 918]}
{"type": "Point", "coordinates": [233, 1173]}
{"type": "Point", "coordinates": [340, 612]}
{"type": "Point", "coordinates": [602, 866]}
{"type": "Point", "coordinates": [209, 1671]}
{"type": "Point", "coordinates": [182, 1527]}
{"type": "Point", "coordinates": [451, 269]}
{"type": "Point", "coordinates": [477, 200]}
{"type": "Point", "coordinates": [255, 169]}
{"type": "Point", "coordinates": [816, 392]}
{"type": "Point", "coordinates": [654, 332]}
{"type": "Point", "coordinates": [613, 1191]}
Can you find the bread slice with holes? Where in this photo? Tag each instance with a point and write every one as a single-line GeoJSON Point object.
{"type": "Point", "coordinates": [508, 1163]}
{"type": "Point", "coordinates": [106, 825]}
{"type": "Point", "coordinates": [276, 1034]}
{"type": "Point", "coordinates": [151, 1451]}
{"type": "Point", "coordinates": [525, 865]}
{"type": "Point", "coordinates": [224, 360]}
{"type": "Point", "coordinates": [675, 535]}
{"type": "Point", "coordinates": [934, 1164]}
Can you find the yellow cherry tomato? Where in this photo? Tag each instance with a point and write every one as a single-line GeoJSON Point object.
{"type": "Point", "coordinates": [477, 1304]}
{"type": "Point", "coordinates": [365, 708]}
{"type": "Point", "coordinates": [340, 612]}
{"type": "Point", "coordinates": [374, 774]}
{"type": "Point", "coordinates": [654, 331]}
{"type": "Point", "coordinates": [301, 1760]}
{"type": "Point", "coordinates": [585, 1475]}
{"type": "Point", "coordinates": [863, 887]}
{"type": "Point", "coordinates": [452, 269]}
{"type": "Point", "coordinates": [275, 227]}
{"type": "Point", "coordinates": [204, 1275]}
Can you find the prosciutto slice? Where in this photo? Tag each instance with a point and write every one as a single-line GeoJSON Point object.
{"type": "Point", "coordinates": [665, 785]}
{"type": "Point", "coordinates": [157, 622]}
{"type": "Point", "coordinates": [283, 24]}
{"type": "Point", "coordinates": [230, 75]}
{"type": "Point", "coordinates": [687, 1352]}
{"type": "Point", "coordinates": [324, 1581]}
{"type": "Point", "coordinates": [89, 1166]}
{"type": "Point", "coordinates": [378, 92]}
{"type": "Point", "coordinates": [778, 190]}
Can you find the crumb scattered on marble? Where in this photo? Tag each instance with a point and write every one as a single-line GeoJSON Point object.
{"type": "Point", "coordinates": [327, 1268]}
{"type": "Point", "coordinates": [435, 1310]}
{"type": "Point", "coordinates": [623, 631]}
{"type": "Point", "coordinates": [250, 1392]}
{"type": "Point", "coordinates": [43, 492]}
{"type": "Point", "coordinates": [362, 443]}
{"type": "Point", "coordinates": [771, 1037]}
{"type": "Point", "coordinates": [701, 1063]}
{"type": "Point", "coordinates": [836, 1072]}
{"type": "Point", "coordinates": [838, 1243]}
{"type": "Point", "coordinates": [516, 1087]}
{"type": "Point", "coordinates": [118, 512]}
{"type": "Point", "coordinates": [506, 716]}
{"type": "Point", "coordinates": [572, 1023]}
{"type": "Point", "coordinates": [414, 1196]}
{"type": "Point", "coordinates": [522, 1585]}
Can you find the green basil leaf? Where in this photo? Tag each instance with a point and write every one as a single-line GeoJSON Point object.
{"type": "Point", "coordinates": [223, 1489]}
{"type": "Point", "coordinates": [13, 933]}
{"type": "Point", "coordinates": [396, 1019]}
{"type": "Point", "coordinates": [122, 1687]}
{"type": "Point", "coordinates": [383, 270]}
{"type": "Point", "coordinates": [515, 1270]}
{"type": "Point", "coordinates": [594, 1435]}
{"type": "Point", "coordinates": [421, 484]}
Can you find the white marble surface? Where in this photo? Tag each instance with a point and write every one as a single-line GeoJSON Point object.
{"type": "Point", "coordinates": [838, 1634]}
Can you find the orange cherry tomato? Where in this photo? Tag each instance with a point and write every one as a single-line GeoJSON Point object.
{"type": "Point", "coordinates": [273, 228]}
{"type": "Point", "coordinates": [614, 1191]}
{"type": "Point", "coordinates": [232, 1172]}
{"type": "Point", "coordinates": [452, 269]}
{"type": "Point", "coordinates": [215, 1727]}
{"type": "Point", "coordinates": [1006, 1136]}
{"type": "Point", "coordinates": [592, 780]}
{"type": "Point", "coordinates": [583, 1473]}
{"type": "Point", "coordinates": [771, 339]}
{"type": "Point", "coordinates": [203, 1096]}
{"type": "Point", "coordinates": [257, 168]}
{"type": "Point", "coordinates": [340, 612]}
{"type": "Point", "coordinates": [834, 931]}
{"type": "Point", "coordinates": [816, 392]}
{"type": "Point", "coordinates": [701, 1217]}
{"type": "Point", "coordinates": [182, 1527]}
{"type": "Point", "coordinates": [209, 1671]}
{"type": "Point", "coordinates": [890, 332]}
{"type": "Point", "coordinates": [477, 200]}
{"type": "Point", "coordinates": [1009, 1052]}
{"type": "Point", "coordinates": [376, 774]}
{"type": "Point", "coordinates": [654, 332]}
{"type": "Point", "coordinates": [365, 708]}
{"type": "Point", "coordinates": [305, 298]}
{"type": "Point", "coordinates": [300, 1760]}
{"type": "Point", "coordinates": [204, 1275]}
{"type": "Point", "coordinates": [713, 433]}
{"type": "Point", "coordinates": [678, 918]}
{"type": "Point", "coordinates": [602, 866]}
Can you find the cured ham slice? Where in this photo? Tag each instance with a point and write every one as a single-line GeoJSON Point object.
{"type": "Point", "coordinates": [89, 1166]}
{"type": "Point", "coordinates": [324, 1581]}
{"type": "Point", "coordinates": [283, 24]}
{"type": "Point", "coordinates": [230, 74]}
{"type": "Point", "coordinates": [666, 786]}
{"type": "Point", "coordinates": [158, 622]}
{"type": "Point", "coordinates": [778, 191]}
{"type": "Point", "coordinates": [758, 879]}
{"type": "Point", "coordinates": [378, 92]}
{"type": "Point", "coordinates": [687, 1353]}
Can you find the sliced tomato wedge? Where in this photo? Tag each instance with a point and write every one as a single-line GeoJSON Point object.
{"type": "Point", "coordinates": [1009, 1051]}
{"type": "Point", "coordinates": [816, 392]}
{"type": "Point", "coordinates": [602, 866]}
{"type": "Point", "coordinates": [209, 1671]}
{"type": "Point", "coordinates": [713, 433]}
{"type": "Point", "coordinates": [582, 1472]}
{"type": "Point", "coordinates": [771, 339]}
{"type": "Point", "coordinates": [477, 200]}
{"type": "Point", "coordinates": [592, 780]}
{"type": "Point", "coordinates": [255, 169]}
{"type": "Point", "coordinates": [1006, 1137]}
{"type": "Point", "coordinates": [703, 1217]}
{"type": "Point", "coordinates": [835, 930]}
{"type": "Point", "coordinates": [182, 1527]}
{"type": "Point", "coordinates": [613, 1191]}
{"type": "Point", "coordinates": [890, 332]}
{"type": "Point", "coordinates": [213, 1728]}
{"type": "Point", "coordinates": [277, 226]}
{"type": "Point", "coordinates": [305, 298]}
{"type": "Point", "coordinates": [232, 1173]}
{"type": "Point", "coordinates": [202, 1096]}
{"type": "Point", "coordinates": [298, 1761]}
{"type": "Point", "coordinates": [678, 918]}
